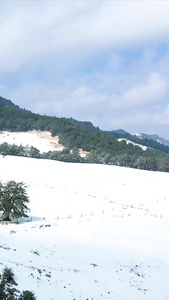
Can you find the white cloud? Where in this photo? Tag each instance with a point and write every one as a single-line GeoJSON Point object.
{"type": "Point", "coordinates": [36, 31]}
{"type": "Point", "coordinates": [74, 59]}
{"type": "Point", "coordinates": [82, 103]}
{"type": "Point", "coordinates": [148, 93]}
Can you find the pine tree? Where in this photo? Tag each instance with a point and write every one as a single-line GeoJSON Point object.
{"type": "Point", "coordinates": [8, 291]}
{"type": "Point", "coordinates": [13, 200]}
{"type": "Point", "coordinates": [27, 295]}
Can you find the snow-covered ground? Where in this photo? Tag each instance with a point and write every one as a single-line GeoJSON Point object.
{"type": "Point", "coordinates": [134, 144]}
{"type": "Point", "coordinates": [41, 140]}
{"type": "Point", "coordinates": [94, 231]}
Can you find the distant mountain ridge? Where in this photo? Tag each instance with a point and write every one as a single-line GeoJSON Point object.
{"type": "Point", "coordinates": [152, 141]}
{"type": "Point", "coordinates": [153, 137]}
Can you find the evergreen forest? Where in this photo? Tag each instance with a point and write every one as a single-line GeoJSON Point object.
{"type": "Point", "coordinates": [103, 146]}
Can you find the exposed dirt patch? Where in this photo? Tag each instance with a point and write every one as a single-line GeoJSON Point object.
{"type": "Point", "coordinates": [53, 140]}
{"type": "Point", "coordinates": [83, 153]}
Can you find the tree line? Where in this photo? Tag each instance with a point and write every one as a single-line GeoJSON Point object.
{"type": "Point", "coordinates": [146, 160]}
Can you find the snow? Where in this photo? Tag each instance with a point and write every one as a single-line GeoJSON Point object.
{"type": "Point", "coordinates": [94, 231]}
{"type": "Point", "coordinates": [41, 140]}
{"type": "Point", "coordinates": [135, 144]}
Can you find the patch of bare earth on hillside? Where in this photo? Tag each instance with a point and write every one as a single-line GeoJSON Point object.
{"type": "Point", "coordinates": [53, 140]}
{"type": "Point", "coordinates": [83, 153]}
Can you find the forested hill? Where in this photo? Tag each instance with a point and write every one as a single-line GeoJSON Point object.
{"type": "Point", "coordinates": [8, 103]}
{"type": "Point", "coordinates": [103, 147]}
{"type": "Point", "coordinates": [145, 140]}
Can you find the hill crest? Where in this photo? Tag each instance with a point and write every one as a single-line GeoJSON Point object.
{"type": "Point", "coordinates": [8, 103]}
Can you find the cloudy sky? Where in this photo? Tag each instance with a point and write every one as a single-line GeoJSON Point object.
{"type": "Point", "coordinates": [101, 61]}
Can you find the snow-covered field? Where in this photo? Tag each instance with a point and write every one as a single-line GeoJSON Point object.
{"type": "Point", "coordinates": [94, 231]}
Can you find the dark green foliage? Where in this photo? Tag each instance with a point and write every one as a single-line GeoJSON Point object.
{"type": "Point", "coordinates": [27, 295]}
{"type": "Point", "coordinates": [8, 275]}
{"type": "Point", "coordinates": [34, 152]}
{"type": "Point", "coordinates": [7, 103]}
{"type": "Point", "coordinates": [65, 155]}
{"type": "Point", "coordinates": [8, 292]}
{"type": "Point", "coordinates": [6, 149]}
{"type": "Point", "coordinates": [84, 124]}
{"type": "Point", "coordinates": [2, 291]}
{"type": "Point", "coordinates": [13, 200]}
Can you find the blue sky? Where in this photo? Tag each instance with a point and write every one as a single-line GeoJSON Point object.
{"type": "Point", "coordinates": [101, 61]}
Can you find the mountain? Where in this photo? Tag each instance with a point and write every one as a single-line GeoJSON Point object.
{"type": "Point", "coordinates": [149, 141]}
{"type": "Point", "coordinates": [101, 146]}
{"type": "Point", "coordinates": [120, 131]}
{"type": "Point", "coordinates": [84, 124]}
{"type": "Point", "coordinates": [153, 137]}
{"type": "Point", "coordinates": [7, 103]}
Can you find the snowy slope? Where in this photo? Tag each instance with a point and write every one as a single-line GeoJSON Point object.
{"type": "Point", "coordinates": [41, 140]}
{"type": "Point", "coordinates": [154, 137]}
{"type": "Point", "coordinates": [94, 231]}
{"type": "Point", "coordinates": [134, 144]}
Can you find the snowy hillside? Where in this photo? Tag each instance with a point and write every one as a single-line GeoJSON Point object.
{"type": "Point", "coordinates": [154, 137]}
{"type": "Point", "coordinates": [42, 140]}
{"type": "Point", "coordinates": [94, 231]}
{"type": "Point", "coordinates": [134, 144]}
